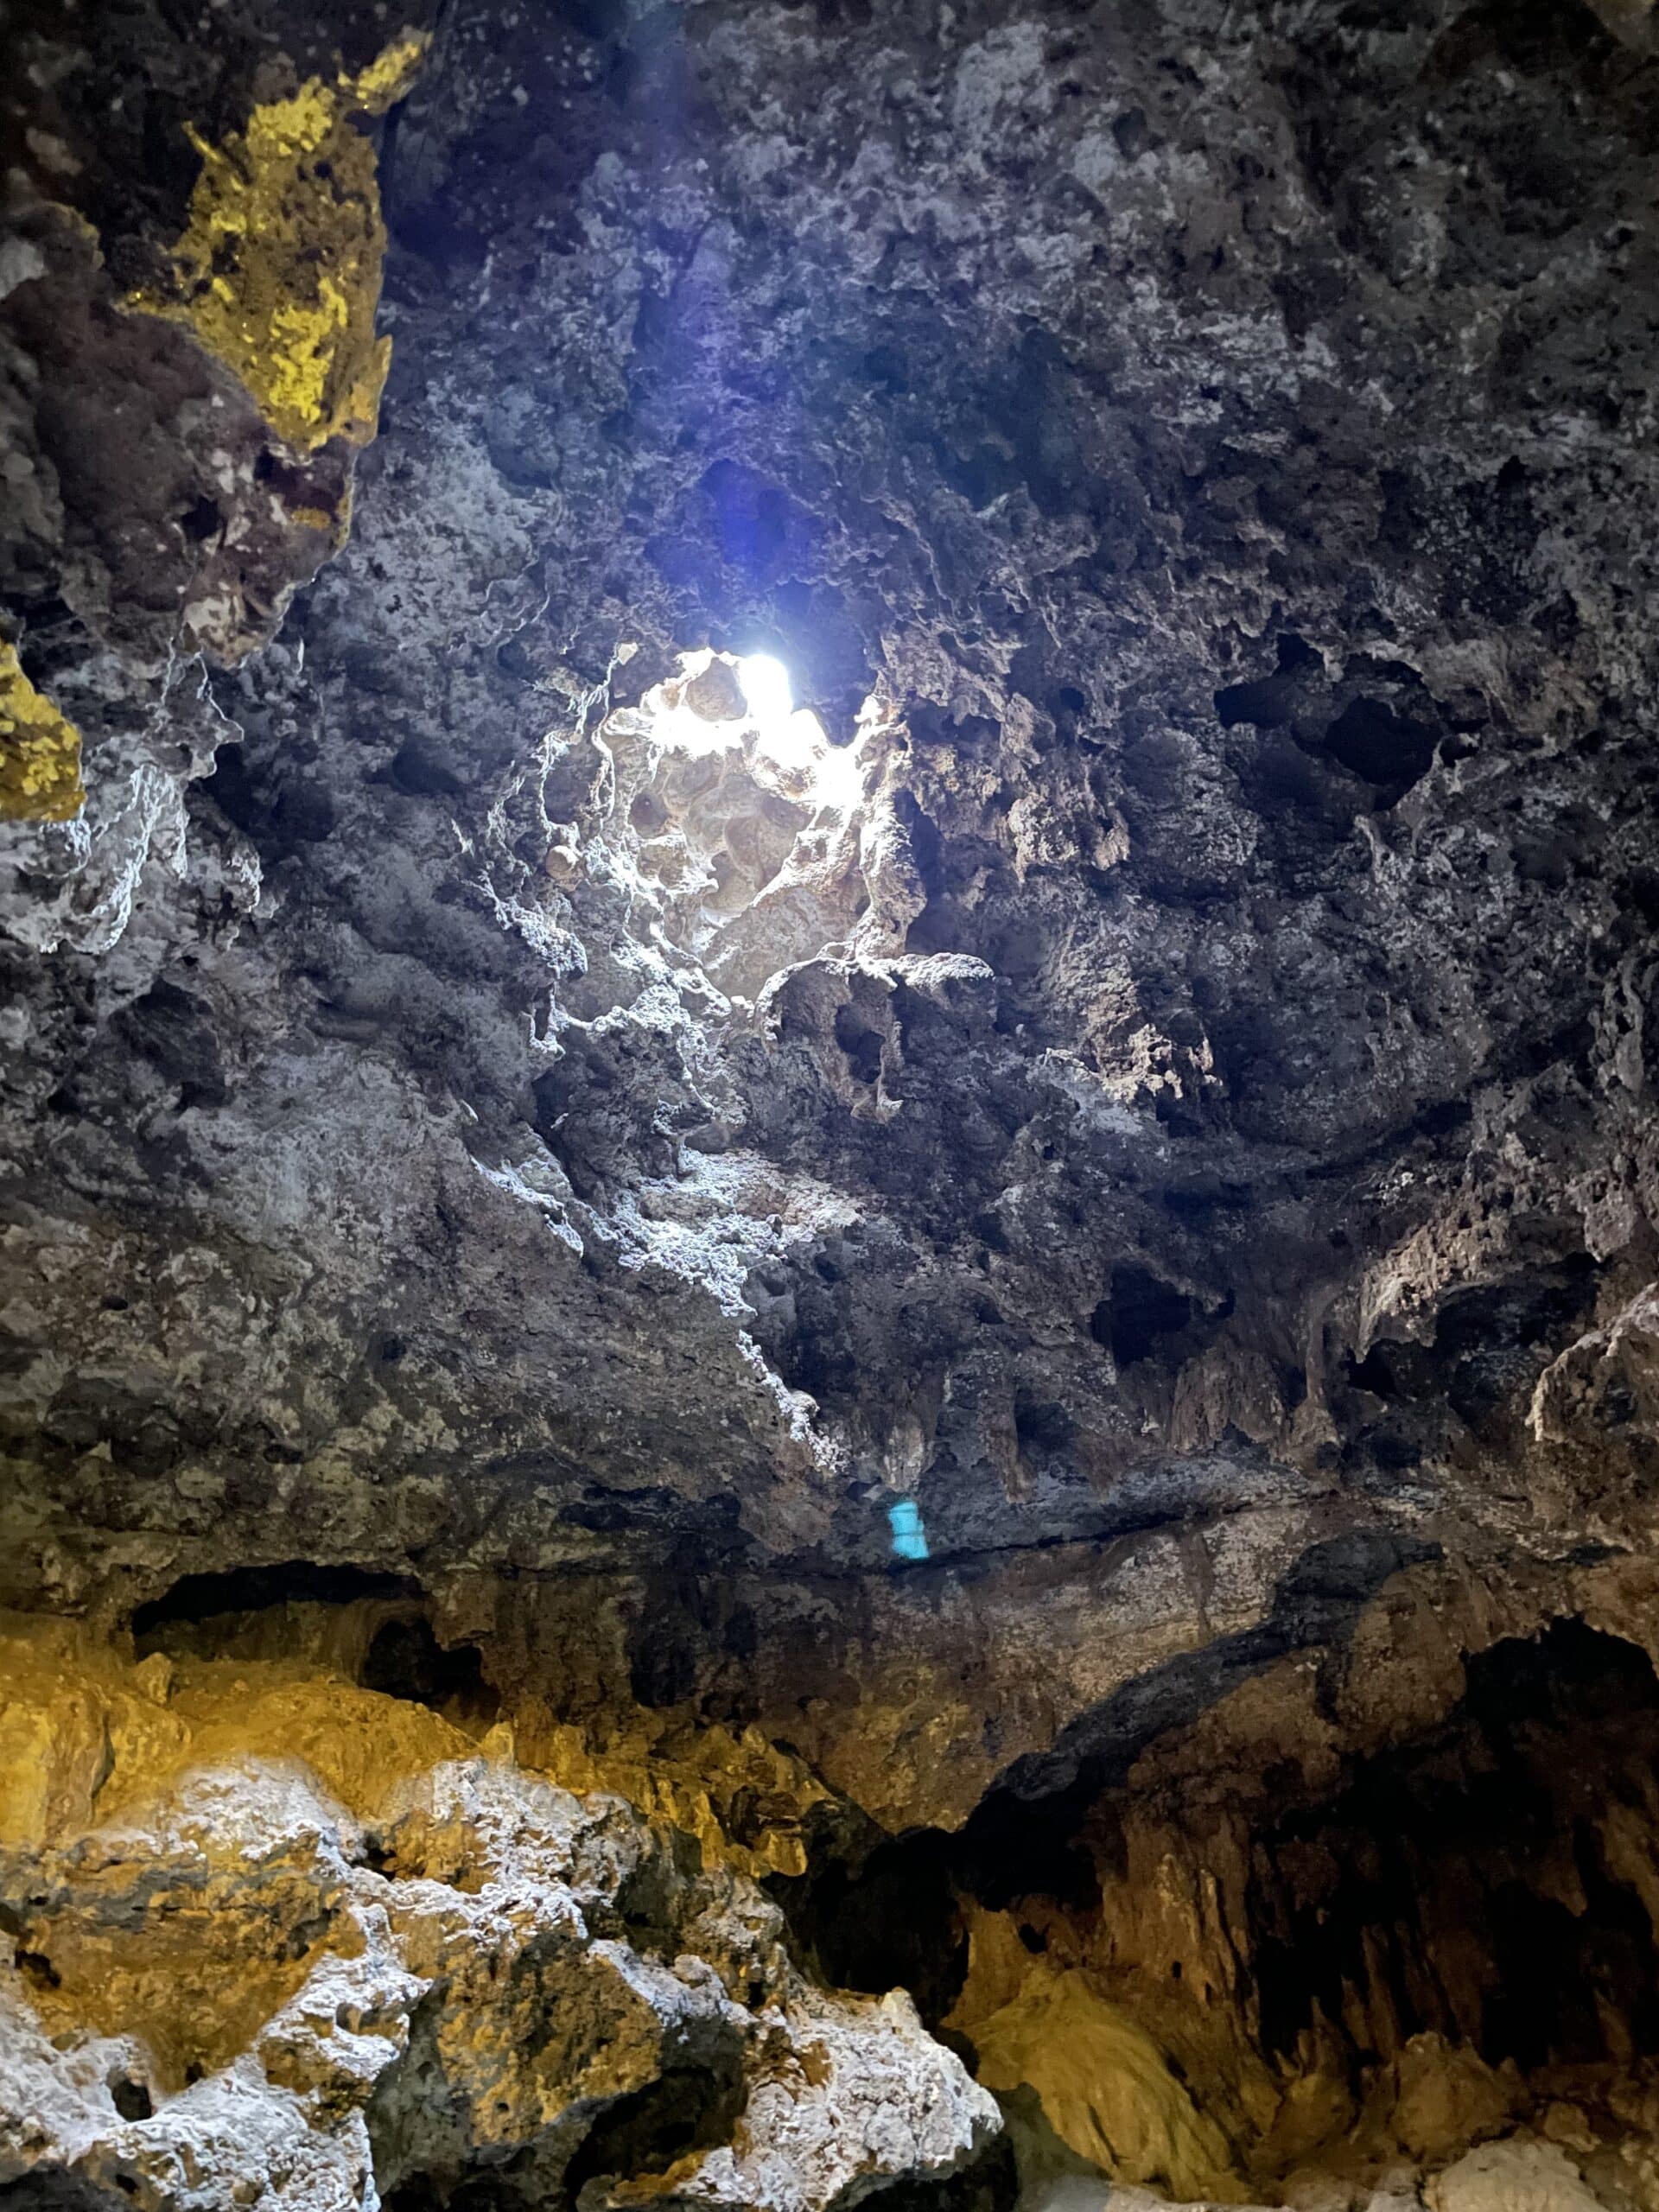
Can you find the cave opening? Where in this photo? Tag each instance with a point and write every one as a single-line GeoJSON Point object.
{"type": "Point", "coordinates": [742, 819]}
{"type": "Point", "coordinates": [198, 1607]}
{"type": "Point", "coordinates": [370, 1626]}
{"type": "Point", "coordinates": [405, 1660]}
{"type": "Point", "coordinates": [743, 705]}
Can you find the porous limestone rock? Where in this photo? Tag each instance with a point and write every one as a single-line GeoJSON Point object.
{"type": "Point", "coordinates": [1011, 1324]}
{"type": "Point", "coordinates": [507, 1153]}
{"type": "Point", "coordinates": [305, 1965]}
{"type": "Point", "coordinates": [1512, 2177]}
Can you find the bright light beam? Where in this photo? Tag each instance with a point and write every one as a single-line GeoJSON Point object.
{"type": "Point", "coordinates": [792, 738]}
{"type": "Point", "coordinates": [765, 687]}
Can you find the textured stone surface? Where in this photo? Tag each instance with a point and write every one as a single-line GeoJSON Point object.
{"type": "Point", "coordinates": [251, 1988]}
{"type": "Point", "coordinates": [1164, 1103]}
{"type": "Point", "coordinates": [1219, 812]}
{"type": "Point", "coordinates": [1220, 1090]}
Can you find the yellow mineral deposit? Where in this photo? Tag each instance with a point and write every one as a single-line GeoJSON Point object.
{"type": "Point", "coordinates": [1105, 2088]}
{"type": "Point", "coordinates": [278, 268]}
{"type": "Point", "coordinates": [87, 1735]}
{"type": "Point", "coordinates": [40, 751]}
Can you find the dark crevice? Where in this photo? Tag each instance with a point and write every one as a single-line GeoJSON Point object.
{"type": "Point", "coordinates": [197, 1597]}
{"type": "Point", "coordinates": [132, 2098]}
{"type": "Point", "coordinates": [690, 2107]}
{"type": "Point", "coordinates": [1381, 747]}
{"type": "Point", "coordinates": [405, 1660]}
{"type": "Point", "coordinates": [879, 1912]}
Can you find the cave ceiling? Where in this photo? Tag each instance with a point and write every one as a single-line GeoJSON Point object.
{"type": "Point", "coordinates": [1176, 1132]}
{"type": "Point", "coordinates": [669, 1355]}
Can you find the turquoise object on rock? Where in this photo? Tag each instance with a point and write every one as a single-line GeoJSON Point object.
{"type": "Point", "coordinates": [909, 1538]}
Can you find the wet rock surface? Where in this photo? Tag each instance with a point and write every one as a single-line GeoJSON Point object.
{"type": "Point", "coordinates": [889, 1295]}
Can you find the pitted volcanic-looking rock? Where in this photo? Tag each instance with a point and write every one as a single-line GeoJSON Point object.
{"type": "Point", "coordinates": [1012, 1289]}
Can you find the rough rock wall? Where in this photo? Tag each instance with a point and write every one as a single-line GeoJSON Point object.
{"type": "Point", "coordinates": [339, 1952]}
{"type": "Point", "coordinates": [1224, 1088]}
{"type": "Point", "coordinates": [1304, 1953]}
{"type": "Point", "coordinates": [1177, 1123]}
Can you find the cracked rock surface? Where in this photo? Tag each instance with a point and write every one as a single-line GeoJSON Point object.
{"type": "Point", "coordinates": [1203, 1070]}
